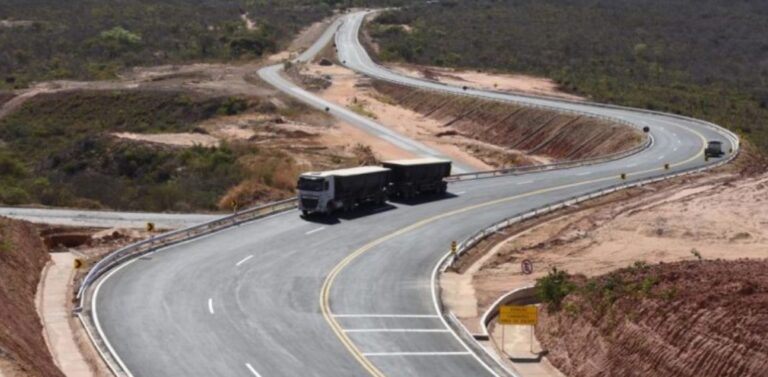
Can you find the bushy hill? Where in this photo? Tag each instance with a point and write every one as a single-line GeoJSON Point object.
{"type": "Point", "coordinates": [95, 39]}
{"type": "Point", "coordinates": [707, 59]}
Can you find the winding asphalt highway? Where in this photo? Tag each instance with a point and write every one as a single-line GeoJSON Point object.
{"type": "Point", "coordinates": [284, 296]}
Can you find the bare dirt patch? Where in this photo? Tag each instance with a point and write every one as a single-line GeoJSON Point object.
{"type": "Point", "coordinates": [487, 80]}
{"type": "Point", "coordinates": [23, 351]}
{"type": "Point", "coordinates": [355, 92]}
{"type": "Point", "coordinates": [718, 215]}
{"type": "Point", "coordinates": [182, 139]}
{"type": "Point", "coordinates": [506, 134]}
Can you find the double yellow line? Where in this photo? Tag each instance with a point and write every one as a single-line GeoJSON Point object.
{"type": "Point", "coordinates": [325, 304]}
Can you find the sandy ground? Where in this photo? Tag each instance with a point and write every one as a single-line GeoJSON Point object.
{"type": "Point", "coordinates": [183, 139]}
{"type": "Point", "coordinates": [487, 81]}
{"type": "Point", "coordinates": [55, 313]}
{"type": "Point", "coordinates": [716, 215]}
{"type": "Point", "coordinates": [349, 89]}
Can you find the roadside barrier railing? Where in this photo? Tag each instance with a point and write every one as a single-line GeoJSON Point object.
{"type": "Point", "coordinates": [516, 170]}
{"type": "Point", "coordinates": [449, 260]}
{"type": "Point", "coordinates": [180, 235]}
{"type": "Point", "coordinates": [467, 244]}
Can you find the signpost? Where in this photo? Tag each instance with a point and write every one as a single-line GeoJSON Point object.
{"type": "Point", "coordinates": [526, 266]}
{"type": "Point", "coordinates": [518, 315]}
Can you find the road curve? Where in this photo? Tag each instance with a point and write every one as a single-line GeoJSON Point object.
{"type": "Point", "coordinates": [105, 219]}
{"type": "Point", "coordinates": [352, 296]}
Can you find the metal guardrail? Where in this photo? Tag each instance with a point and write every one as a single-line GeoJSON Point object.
{"type": "Point", "coordinates": [464, 246]}
{"type": "Point", "coordinates": [471, 241]}
{"type": "Point", "coordinates": [474, 239]}
{"type": "Point", "coordinates": [177, 236]}
{"type": "Point", "coordinates": [556, 166]}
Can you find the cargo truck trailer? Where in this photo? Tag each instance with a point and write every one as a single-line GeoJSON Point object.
{"type": "Point", "coordinates": [345, 189]}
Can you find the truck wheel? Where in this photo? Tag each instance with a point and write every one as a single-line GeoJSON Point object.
{"type": "Point", "coordinates": [304, 213]}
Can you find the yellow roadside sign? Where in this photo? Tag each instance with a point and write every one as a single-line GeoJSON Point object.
{"type": "Point", "coordinates": [79, 263]}
{"type": "Point", "coordinates": [518, 315]}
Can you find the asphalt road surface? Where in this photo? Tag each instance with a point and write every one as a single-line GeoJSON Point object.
{"type": "Point", "coordinates": [105, 219]}
{"type": "Point", "coordinates": [285, 296]}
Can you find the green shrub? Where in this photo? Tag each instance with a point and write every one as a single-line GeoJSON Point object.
{"type": "Point", "coordinates": [553, 288]}
{"type": "Point", "coordinates": [13, 196]}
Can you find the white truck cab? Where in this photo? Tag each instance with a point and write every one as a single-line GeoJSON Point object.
{"type": "Point", "coordinates": [315, 192]}
{"type": "Point", "coordinates": [344, 189]}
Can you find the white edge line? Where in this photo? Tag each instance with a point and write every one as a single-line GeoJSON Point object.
{"type": "Point", "coordinates": [386, 316]}
{"type": "Point", "coordinates": [436, 302]}
{"type": "Point", "coordinates": [395, 330]}
{"type": "Point", "coordinates": [250, 368]}
{"type": "Point", "coordinates": [98, 324]}
{"type": "Point", "coordinates": [210, 306]}
{"type": "Point", "coordinates": [460, 353]}
{"type": "Point", "coordinates": [243, 260]}
{"type": "Point", "coordinates": [114, 270]}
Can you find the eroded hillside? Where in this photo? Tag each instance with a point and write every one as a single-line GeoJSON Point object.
{"type": "Point", "coordinates": [23, 351]}
{"type": "Point", "coordinates": [693, 318]}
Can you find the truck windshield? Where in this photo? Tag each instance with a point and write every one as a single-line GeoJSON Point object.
{"type": "Point", "coordinates": [307, 184]}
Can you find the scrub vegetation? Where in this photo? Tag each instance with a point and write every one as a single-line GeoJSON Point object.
{"type": "Point", "coordinates": [95, 39]}
{"type": "Point", "coordinates": [706, 59]}
{"type": "Point", "coordinates": [59, 149]}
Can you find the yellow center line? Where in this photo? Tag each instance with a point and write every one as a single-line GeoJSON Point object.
{"type": "Point", "coordinates": [325, 292]}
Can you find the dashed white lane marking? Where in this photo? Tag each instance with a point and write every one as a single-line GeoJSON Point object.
{"type": "Point", "coordinates": [632, 165]}
{"type": "Point", "coordinates": [460, 192]}
{"type": "Point", "coordinates": [461, 353]}
{"type": "Point", "coordinates": [524, 183]}
{"type": "Point", "coordinates": [660, 157]}
{"type": "Point", "coordinates": [584, 173]}
{"type": "Point", "coordinates": [395, 330]}
{"type": "Point", "coordinates": [250, 368]}
{"type": "Point", "coordinates": [386, 316]}
{"type": "Point", "coordinates": [315, 230]}
{"type": "Point", "coordinates": [210, 306]}
{"type": "Point", "coordinates": [675, 150]}
{"type": "Point", "coordinates": [243, 260]}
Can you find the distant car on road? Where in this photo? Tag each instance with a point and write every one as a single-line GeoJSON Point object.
{"type": "Point", "coordinates": [714, 149]}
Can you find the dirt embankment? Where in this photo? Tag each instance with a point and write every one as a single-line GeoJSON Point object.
{"type": "Point", "coordinates": [530, 131]}
{"type": "Point", "coordinates": [716, 215]}
{"type": "Point", "coordinates": [23, 351]}
{"type": "Point", "coordinates": [487, 80]}
{"type": "Point", "coordinates": [683, 319]}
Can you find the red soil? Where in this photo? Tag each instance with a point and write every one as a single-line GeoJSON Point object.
{"type": "Point", "coordinates": [22, 258]}
{"type": "Point", "coordinates": [532, 131]}
{"type": "Point", "coordinates": [705, 318]}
